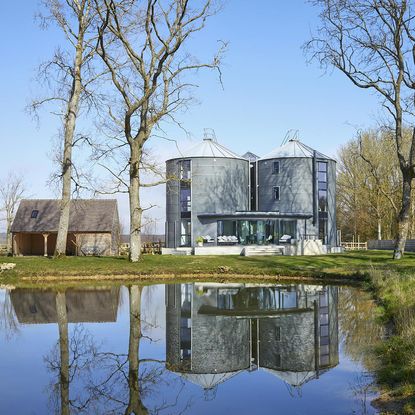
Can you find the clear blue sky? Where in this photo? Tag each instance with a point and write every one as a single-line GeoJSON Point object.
{"type": "Point", "coordinates": [268, 89]}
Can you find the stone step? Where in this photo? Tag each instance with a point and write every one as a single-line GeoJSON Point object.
{"type": "Point", "coordinates": [263, 250]}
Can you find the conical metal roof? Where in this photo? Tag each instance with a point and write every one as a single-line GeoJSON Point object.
{"type": "Point", "coordinates": [293, 148]}
{"type": "Point", "coordinates": [209, 380]}
{"type": "Point", "coordinates": [293, 378]}
{"type": "Point", "coordinates": [250, 156]}
{"type": "Point", "coordinates": [208, 147]}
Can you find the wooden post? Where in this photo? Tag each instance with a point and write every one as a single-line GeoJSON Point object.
{"type": "Point", "coordinates": [76, 244]}
{"type": "Point", "coordinates": [45, 249]}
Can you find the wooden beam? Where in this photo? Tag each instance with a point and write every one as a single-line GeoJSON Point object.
{"type": "Point", "coordinates": [45, 249]}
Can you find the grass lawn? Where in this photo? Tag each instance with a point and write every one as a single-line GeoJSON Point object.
{"type": "Point", "coordinates": [348, 266]}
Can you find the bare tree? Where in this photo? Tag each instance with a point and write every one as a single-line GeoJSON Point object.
{"type": "Point", "coordinates": [72, 75]}
{"type": "Point", "coordinates": [372, 42]}
{"type": "Point", "coordinates": [368, 186]}
{"type": "Point", "coordinates": [12, 191]}
{"type": "Point", "coordinates": [149, 66]}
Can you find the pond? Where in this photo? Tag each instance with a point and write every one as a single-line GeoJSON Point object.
{"type": "Point", "coordinates": [192, 348]}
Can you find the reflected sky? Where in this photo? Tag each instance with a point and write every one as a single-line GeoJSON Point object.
{"type": "Point", "coordinates": [198, 348]}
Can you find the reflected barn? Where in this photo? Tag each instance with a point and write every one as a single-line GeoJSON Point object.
{"type": "Point", "coordinates": [214, 331]}
{"type": "Point", "coordinates": [82, 306]}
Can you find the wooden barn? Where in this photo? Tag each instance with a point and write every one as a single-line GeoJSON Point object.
{"type": "Point", "coordinates": [93, 227]}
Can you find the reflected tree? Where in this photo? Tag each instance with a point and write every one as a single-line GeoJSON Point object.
{"type": "Point", "coordinates": [129, 379]}
{"type": "Point", "coordinates": [8, 320]}
{"type": "Point", "coordinates": [73, 358]}
{"type": "Point", "coordinates": [359, 325]}
{"type": "Point", "coordinates": [91, 380]}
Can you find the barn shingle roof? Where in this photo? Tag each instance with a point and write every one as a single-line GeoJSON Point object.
{"type": "Point", "coordinates": [86, 215]}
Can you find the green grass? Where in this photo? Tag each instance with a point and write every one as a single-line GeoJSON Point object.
{"type": "Point", "coordinates": [351, 265]}
{"type": "Point", "coordinates": [396, 354]}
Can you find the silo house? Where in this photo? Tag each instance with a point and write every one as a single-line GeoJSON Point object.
{"type": "Point", "coordinates": [300, 184]}
{"type": "Point", "coordinates": [218, 202]}
{"type": "Point", "coordinates": [204, 183]}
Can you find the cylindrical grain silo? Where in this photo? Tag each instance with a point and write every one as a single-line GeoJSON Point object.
{"type": "Point", "coordinates": [205, 179]}
{"type": "Point", "coordinates": [294, 179]}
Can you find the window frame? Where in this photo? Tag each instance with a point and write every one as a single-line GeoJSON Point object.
{"type": "Point", "coordinates": [274, 164]}
{"type": "Point", "coordinates": [274, 188]}
{"type": "Point", "coordinates": [34, 214]}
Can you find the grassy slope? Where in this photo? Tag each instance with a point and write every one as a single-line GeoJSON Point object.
{"type": "Point", "coordinates": [396, 355]}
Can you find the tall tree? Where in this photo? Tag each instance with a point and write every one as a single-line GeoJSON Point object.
{"type": "Point", "coordinates": [12, 191]}
{"type": "Point", "coordinates": [142, 44]}
{"type": "Point", "coordinates": [72, 74]}
{"type": "Point", "coordinates": [372, 42]}
{"type": "Point", "coordinates": [368, 186]}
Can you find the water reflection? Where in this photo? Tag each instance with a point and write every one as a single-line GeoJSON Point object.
{"type": "Point", "coordinates": [212, 335]}
{"type": "Point", "coordinates": [103, 381]}
{"type": "Point", "coordinates": [75, 354]}
{"type": "Point", "coordinates": [215, 331]}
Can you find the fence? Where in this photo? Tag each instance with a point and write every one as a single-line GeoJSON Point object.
{"type": "Point", "coordinates": [146, 248]}
{"type": "Point", "coordinates": [389, 244]}
{"type": "Point", "coordinates": [352, 246]}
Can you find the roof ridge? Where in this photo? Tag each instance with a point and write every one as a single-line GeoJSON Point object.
{"type": "Point", "coordinates": [80, 200]}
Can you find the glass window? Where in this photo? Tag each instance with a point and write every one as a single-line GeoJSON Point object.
{"type": "Point", "coordinates": [322, 200]}
{"type": "Point", "coordinates": [269, 232]}
{"type": "Point", "coordinates": [185, 232]}
{"type": "Point", "coordinates": [276, 191]}
{"type": "Point", "coordinates": [185, 200]}
{"type": "Point", "coordinates": [322, 185]}
{"type": "Point", "coordinates": [243, 231]}
{"type": "Point", "coordinates": [322, 176]}
{"type": "Point", "coordinates": [322, 229]}
{"type": "Point", "coordinates": [289, 227]}
{"type": "Point", "coordinates": [185, 170]}
{"type": "Point", "coordinates": [226, 228]}
{"type": "Point", "coordinates": [34, 214]}
{"type": "Point", "coordinates": [322, 166]}
{"type": "Point", "coordinates": [288, 299]}
{"type": "Point", "coordinates": [276, 167]}
{"type": "Point", "coordinates": [278, 334]}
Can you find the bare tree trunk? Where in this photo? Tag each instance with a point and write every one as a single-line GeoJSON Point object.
{"type": "Point", "coordinates": [135, 207]}
{"type": "Point", "coordinates": [379, 229]}
{"type": "Point", "coordinates": [135, 406]}
{"type": "Point", "coordinates": [70, 122]}
{"type": "Point", "coordinates": [9, 237]}
{"type": "Point", "coordinates": [64, 351]}
{"type": "Point", "coordinates": [403, 217]}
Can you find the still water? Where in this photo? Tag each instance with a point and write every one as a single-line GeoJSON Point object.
{"type": "Point", "coordinates": [197, 348]}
